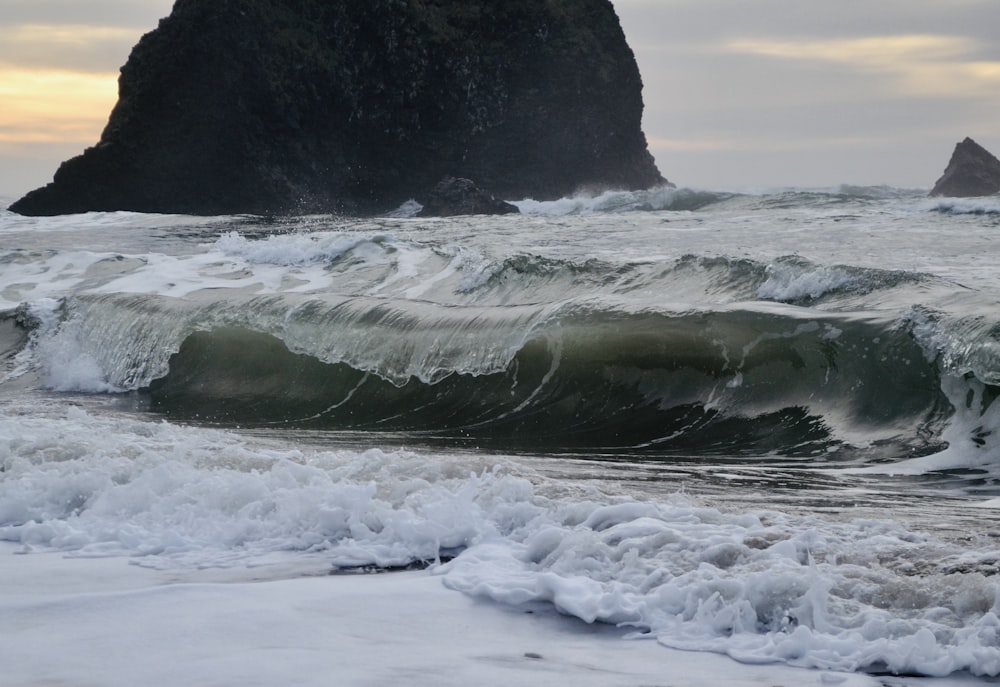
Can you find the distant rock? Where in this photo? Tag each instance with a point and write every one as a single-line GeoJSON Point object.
{"type": "Point", "coordinates": [972, 171]}
{"type": "Point", "coordinates": [462, 197]}
{"type": "Point", "coordinates": [300, 106]}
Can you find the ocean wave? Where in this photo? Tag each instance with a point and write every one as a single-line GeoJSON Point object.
{"type": "Point", "coordinates": [988, 206]}
{"type": "Point", "coordinates": [303, 249]}
{"type": "Point", "coordinates": [575, 376]}
{"type": "Point", "coordinates": [791, 279]}
{"type": "Point", "coordinates": [374, 332]}
{"type": "Point", "coordinates": [688, 279]}
{"type": "Point", "coordinates": [554, 382]}
{"type": "Point", "coordinates": [662, 198]}
{"type": "Point", "coordinates": [606, 372]}
{"type": "Point", "coordinates": [694, 199]}
{"type": "Point", "coordinates": [879, 192]}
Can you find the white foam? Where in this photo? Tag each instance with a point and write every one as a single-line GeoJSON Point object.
{"type": "Point", "coordinates": [30, 278]}
{"type": "Point", "coordinates": [699, 580]}
{"type": "Point", "coordinates": [297, 249]}
{"type": "Point", "coordinates": [988, 205]}
{"type": "Point", "coordinates": [663, 198]}
{"type": "Point", "coordinates": [104, 622]}
{"type": "Point", "coordinates": [409, 209]}
{"type": "Point", "coordinates": [54, 350]}
{"type": "Point", "coordinates": [972, 435]}
{"type": "Point", "coordinates": [180, 277]}
{"type": "Point", "coordinates": [761, 587]}
{"type": "Point", "coordinates": [787, 282]}
{"type": "Point", "coordinates": [125, 488]}
{"type": "Point", "coordinates": [291, 263]}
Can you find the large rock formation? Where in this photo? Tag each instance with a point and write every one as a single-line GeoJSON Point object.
{"type": "Point", "coordinates": [294, 106]}
{"type": "Point", "coordinates": [972, 171]}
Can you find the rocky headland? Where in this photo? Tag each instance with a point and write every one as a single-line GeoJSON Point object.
{"type": "Point", "coordinates": [972, 171]}
{"type": "Point", "coordinates": [302, 106]}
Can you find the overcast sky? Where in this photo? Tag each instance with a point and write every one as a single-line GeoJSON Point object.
{"type": "Point", "coordinates": [739, 94]}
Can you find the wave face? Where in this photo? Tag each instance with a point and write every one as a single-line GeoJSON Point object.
{"type": "Point", "coordinates": [577, 376]}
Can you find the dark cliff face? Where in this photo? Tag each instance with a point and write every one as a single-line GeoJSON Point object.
{"type": "Point", "coordinates": [972, 171]}
{"type": "Point", "coordinates": [288, 106]}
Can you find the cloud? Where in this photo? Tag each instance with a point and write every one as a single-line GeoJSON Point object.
{"type": "Point", "coordinates": [85, 47]}
{"type": "Point", "coordinates": [869, 51]}
{"type": "Point", "coordinates": [139, 15]}
{"type": "Point", "coordinates": [96, 35]}
{"type": "Point", "coordinates": [915, 64]}
{"type": "Point", "coordinates": [65, 34]}
{"type": "Point", "coordinates": [658, 143]}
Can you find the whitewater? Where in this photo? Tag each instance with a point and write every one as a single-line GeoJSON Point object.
{"type": "Point", "coordinates": [660, 437]}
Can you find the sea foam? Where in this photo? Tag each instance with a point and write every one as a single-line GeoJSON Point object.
{"type": "Point", "coordinates": [759, 586]}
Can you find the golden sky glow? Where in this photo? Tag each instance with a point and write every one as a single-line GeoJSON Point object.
{"type": "Point", "coordinates": [58, 82]}
{"type": "Point", "coordinates": [54, 106]}
{"type": "Point", "coordinates": [869, 51]}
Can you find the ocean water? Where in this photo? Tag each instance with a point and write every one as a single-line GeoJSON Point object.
{"type": "Point", "coordinates": [756, 424]}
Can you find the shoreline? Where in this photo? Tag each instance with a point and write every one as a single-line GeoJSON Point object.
{"type": "Point", "coordinates": [105, 622]}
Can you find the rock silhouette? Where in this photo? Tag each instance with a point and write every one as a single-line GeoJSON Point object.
{"type": "Point", "coordinates": [462, 197]}
{"type": "Point", "coordinates": [298, 106]}
{"type": "Point", "coordinates": [972, 171]}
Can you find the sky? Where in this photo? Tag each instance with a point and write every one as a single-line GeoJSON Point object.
{"type": "Point", "coordinates": [739, 94]}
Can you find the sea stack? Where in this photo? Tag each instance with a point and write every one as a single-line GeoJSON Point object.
{"type": "Point", "coordinates": [303, 106]}
{"type": "Point", "coordinates": [972, 171]}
